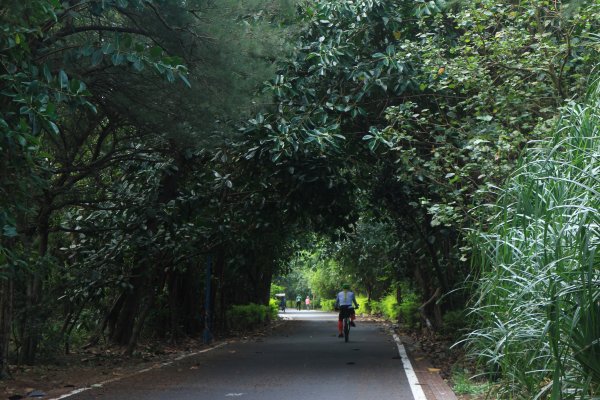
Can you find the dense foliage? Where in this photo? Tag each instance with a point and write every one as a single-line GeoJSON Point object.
{"type": "Point", "coordinates": [110, 182]}
{"type": "Point", "coordinates": [427, 106]}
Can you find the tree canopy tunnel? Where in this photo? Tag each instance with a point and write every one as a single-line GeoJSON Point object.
{"type": "Point", "coordinates": [298, 142]}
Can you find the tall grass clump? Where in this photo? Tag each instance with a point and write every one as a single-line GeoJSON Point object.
{"type": "Point", "coordinates": [538, 293]}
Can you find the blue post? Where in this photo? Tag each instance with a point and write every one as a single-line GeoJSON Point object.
{"type": "Point", "coordinates": [207, 302]}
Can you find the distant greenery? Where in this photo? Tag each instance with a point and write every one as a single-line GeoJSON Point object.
{"type": "Point", "coordinates": [275, 289]}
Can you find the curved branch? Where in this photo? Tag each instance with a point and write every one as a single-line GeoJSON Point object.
{"type": "Point", "coordinates": [103, 28]}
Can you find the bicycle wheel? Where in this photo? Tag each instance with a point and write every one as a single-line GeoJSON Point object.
{"type": "Point", "coordinates": [346, 329]}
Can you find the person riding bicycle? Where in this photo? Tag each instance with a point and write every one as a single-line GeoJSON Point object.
{"type": "Point", "coordinates": [345, 302]}
{"type": "Point", "coordinates": [282, 303]}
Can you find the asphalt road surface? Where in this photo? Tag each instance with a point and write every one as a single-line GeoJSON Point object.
{"type": "Point", "coordinates": [301, 360]}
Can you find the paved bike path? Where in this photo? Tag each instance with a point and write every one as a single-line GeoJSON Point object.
{"type": "Point", "coordinates": [303, 359]}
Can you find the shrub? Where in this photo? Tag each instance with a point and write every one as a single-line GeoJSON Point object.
{"type": "Point", "coordinates": [375, 307]}
{"type": "Point", "coordinates": [408, 310]}
{"type": "Point", "coordinates": [249, 316]}
{"type": "Point", "coordinates": [390, 307]}
{"type": "Point", "coordinates": [327, 305]}
{"type": "Point", "coordinates": [364, 305]}
{"type": "Point", "coordinates": [371, 307]}
{"type": "Point", "coordinates": [273, 309]}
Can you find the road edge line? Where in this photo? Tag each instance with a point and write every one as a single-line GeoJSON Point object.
{"type": "Point", "coordinates": [157, 366]}
{"type": "Point", "coordinates": [411, 376]}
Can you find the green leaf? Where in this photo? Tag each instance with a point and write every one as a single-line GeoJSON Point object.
{"type": "Point", "coordinates": [97, 57]}
{"type": "Point", "coordinates": [170, 76]}
{"type": "Point", "coordinates": [47, 73]}
{"type": "Point", "coordinates": [9, 231]}
{"type": "Point", "coordinates": [138, 65]}
{"type": "Point", "coordinates": [87, 50]}
{"type": "Point", "coordinates": [21, 139]}
{"type": "Point", "coordinates": [118, 59]}
{"type": "Point", "coordinates": [185, 80]}
{"type": "Point", "coordinates": [53, 127]}
{"type": "Point", "coordinates": [63, 79]}
{"type": "Point", "coordinates": [156, 52]}
{"type": "Point", "coordinates": [108, 48]}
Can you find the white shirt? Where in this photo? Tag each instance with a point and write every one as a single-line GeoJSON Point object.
{"type": "Point", "coordinates": [345, 298]}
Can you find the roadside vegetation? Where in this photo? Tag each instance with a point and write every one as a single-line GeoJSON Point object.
{"type": "Point", "coordinates": [162, 163]}
{"type": "Point", "coordinates": [539, 288]}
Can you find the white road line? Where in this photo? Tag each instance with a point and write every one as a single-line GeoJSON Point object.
{"type": "Point", "coordinates": [413, 381]}
{"type": "Point", "coordinates": [97, 385]}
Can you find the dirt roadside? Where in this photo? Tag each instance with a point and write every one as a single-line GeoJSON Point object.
{"type": "Point", "coordinates": [87, 368]}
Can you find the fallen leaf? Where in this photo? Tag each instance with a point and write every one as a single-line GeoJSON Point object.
{"type": "Point", "coordinates": [433, 369]}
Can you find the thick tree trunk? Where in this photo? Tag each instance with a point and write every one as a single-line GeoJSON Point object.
{"type": "Point", "coordinates": [137, 330]}
{"type": "Point", "coordinates": [109, 321]}
{"type": "Point", "coordinates": [124, 322]}
{"type": "Point", "coordinates": [174, 284]}
{"type": "Point", "coordinates": [218, 272]}
{"type": "Point", "coordinates": [32, 318]}
{"type": "Point", "coordinates": [31, 321]}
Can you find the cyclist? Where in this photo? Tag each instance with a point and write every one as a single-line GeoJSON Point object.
{"type": "Point", "coordinates": [282, 303]}
{"type": "Point", "coordinates": [345, 302]}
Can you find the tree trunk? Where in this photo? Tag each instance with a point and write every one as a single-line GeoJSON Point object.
{"type": "Point", "coordinates": [123, 326]}
{"type": "Point", "coordinates": [123, 320]}
{"type": "Point", "coordinates": [218, 300]}
{"type": "Point", "coordinates": [137, 330]}
{"type": "Point", "coordinates": [32, 318]}
{"type": "Point", "coordinates": [108, 321]}
{"type": "Point", "coordinates": [6, 313]}
{"type": "Point", "coordinates": [173, 288]}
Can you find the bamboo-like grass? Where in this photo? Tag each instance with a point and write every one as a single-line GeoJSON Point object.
{"type": "Point", "coordinates": [538, 293]}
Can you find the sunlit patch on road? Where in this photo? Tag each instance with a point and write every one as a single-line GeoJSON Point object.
{"type": "Point", "coordinates": [308, 315]}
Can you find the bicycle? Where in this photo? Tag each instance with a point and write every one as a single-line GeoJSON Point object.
{"type": "Point", "coordinates": [347, 321]}
{"type": "Point", "coordinates": [346, 328]}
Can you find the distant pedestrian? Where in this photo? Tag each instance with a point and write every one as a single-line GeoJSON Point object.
{"type": "Point", "coordinates": [307, 302]}
{"type": "Point", "coordinates": [298, 302]}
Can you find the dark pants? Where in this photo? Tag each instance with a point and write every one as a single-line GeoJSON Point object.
{"type": "Point", "coordinates": [346, 311]}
